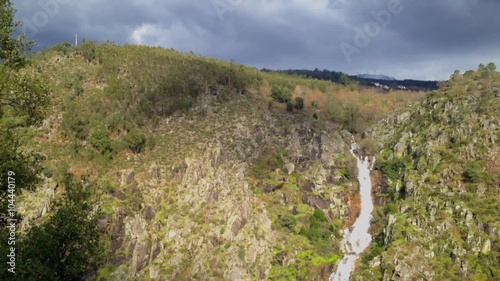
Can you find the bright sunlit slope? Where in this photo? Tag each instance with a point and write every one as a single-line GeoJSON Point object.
{"type": "Point", "coordinates": [440, 161]}
{"type": "Point", "coordinates": [203, 169]}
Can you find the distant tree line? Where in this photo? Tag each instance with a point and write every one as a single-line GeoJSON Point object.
{"type": "Point", "coordinates": [413, 85]}
{"type": "Point", "coordinates": [344, 79]}
{"type": "Point", "coordinates": [324, 74]}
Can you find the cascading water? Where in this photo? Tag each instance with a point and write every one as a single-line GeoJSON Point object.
{"type": "Point", "coordinates": [358, 238]}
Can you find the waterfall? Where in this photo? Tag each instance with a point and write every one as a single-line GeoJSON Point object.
{"type": "Point", "coordinates": [358, 238]}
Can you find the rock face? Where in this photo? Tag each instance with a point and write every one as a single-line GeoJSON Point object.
{"type": "Point", "coordinates": [441, 161]}
{"type": "Point", "coordinates": [35, 205]}
{"type": "Point", "coordinates": [192, 209]}
{"type": "Point", "coordinates": [211, 200]}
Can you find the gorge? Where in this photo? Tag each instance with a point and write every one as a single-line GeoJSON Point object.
{"type": "Point", "coordinates": [357, 238]}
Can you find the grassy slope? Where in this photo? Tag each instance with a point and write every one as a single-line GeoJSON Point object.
{"type": "Point", "coordinates": [120, 108]}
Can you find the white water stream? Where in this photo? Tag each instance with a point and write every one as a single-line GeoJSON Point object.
{"type": "Point", "coordinates": [358, 238]}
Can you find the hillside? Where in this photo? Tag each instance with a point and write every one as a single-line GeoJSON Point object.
{"type": "Point", "coordinates": [440, 167]}
{"type": "Point", "coordinates": [145, 163]}
{"type": "Point", "coordinates": [202, 169]}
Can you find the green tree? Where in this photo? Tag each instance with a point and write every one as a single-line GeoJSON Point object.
{"type": "Point", "coordinates": [23, 102]}
{"type": "Point", "coordinates": [345, 80]}
{"type": "Point", "coordinates": [12, 49]}
{"type": "Point", "coordinates": [491, 67]}
{"type": "Point", "coordinates": [68, 244]}
{"type": "Point", "coordinates": [455, 75]}
{"type": "Point", "coordinates": [23, 98]}
{"type": "Point", "coordinates": [487, 69]}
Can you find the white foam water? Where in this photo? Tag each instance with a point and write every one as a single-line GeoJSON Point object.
{"type": "Point", "coordinates": [358, 238]}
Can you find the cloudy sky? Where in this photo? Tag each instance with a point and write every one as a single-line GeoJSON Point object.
{"type": "Point", "coordinates": [424, 39]}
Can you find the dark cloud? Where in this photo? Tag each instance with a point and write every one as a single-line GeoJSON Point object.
{"type": "Point", "coordinates": [405, 38]}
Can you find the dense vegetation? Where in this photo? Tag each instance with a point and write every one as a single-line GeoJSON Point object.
{"type": "Point", "coordinates": [440, 160]}
{"type": "Point", "coordinates": [67, 245]}
{"type": "Point", "coordinates": [23, 101]}
{"type": "Point", "coordinates": [63, 247]}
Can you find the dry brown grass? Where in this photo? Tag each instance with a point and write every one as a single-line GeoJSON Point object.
{"type": "Point", "coordinates": [310, 95]}
{"type": "Point", "coordinates": [355, 109]}
{"type": "Point", "coordinates": [367, 98]}
{"type": "Point", "coordinates": [265, 89]}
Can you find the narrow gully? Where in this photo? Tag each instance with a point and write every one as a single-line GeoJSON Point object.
{"type": "Point", "coordinates": [357, 238]}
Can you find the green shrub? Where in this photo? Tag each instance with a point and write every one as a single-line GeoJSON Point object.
{"type": "Point", "coordinates": [100, 141]}
{"type": "Point", "coordinates": [266, 163]}
{"type": "Point", "coordinates": [319, 228]}
{"type": "Point", "coordinates": [135, 140]}
{"type": "Point", "coordinates": [391, 208]}
{"type": "Point", "coordinates": [392, 168]}
{"type": "Point", "coordinates": [241, 252]}
{"type": "Point", "coordinates": [346, 173]}
{"type": "Point", "coordinates": [376, 248]}
{"type": "Point", "coordinates": [474, 172]}
{"type": "Point", "coordinates": [288, 221]}
{"type": "Point", "coordinates": [299, 103]}
{"type": "Point", "coordinates": [63, 48]}
{"type": "Point", "coordinates": [88, 50]}
{"type": "Point", "coordinates": [289, 106]}
{"type": "Point", "coordinates": [76, 125]}
{"type": "Point", "coordinates": [319, 215]}
{"type": "Point", "coordinates": [335, 230]}
{"type": "Point", "coordinates": [281, 94]}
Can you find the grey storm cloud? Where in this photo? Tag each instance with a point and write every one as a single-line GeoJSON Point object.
{"type": "Point", "coordinates": [425, 39]}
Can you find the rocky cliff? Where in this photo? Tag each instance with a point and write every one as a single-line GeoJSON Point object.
{"type": "Point", "coordinates": [440, 163]}
{"type": "Point", "coordinates": [200, 175]}
{"type": "Point", "coordinates": [200, 214]}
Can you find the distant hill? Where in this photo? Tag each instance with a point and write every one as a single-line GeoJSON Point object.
{"type": "Point", "coordinates": [366, 80]}
{"type": "Point", "coordinates": [324, 74]}
{"type": "Point", "coordinates": [375, 76]}
{"type": "Point", "coordinates": [412, 85]}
